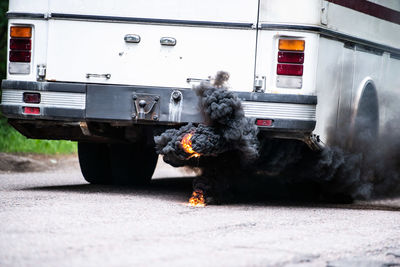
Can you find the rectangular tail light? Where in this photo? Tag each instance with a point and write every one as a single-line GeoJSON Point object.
{"type": "Point", "coordinates": [291, 45]}
{"type": "Point", "coordinates": [290, 69]}
{"type": "Point", "coordinates": [31, 98]}
{"type": "Point", "coordinates": [20, 56]}
{"type": "Point", "coordinates": [290, 57]}
{"type": "Point", "coordinates": [31, 110]}
{"type": "Point", "coordinates": [20, 44]}
{"type": "Point", "coordinates": [20, 32]}
{"type": "Point", "coordinates": [261, 122]}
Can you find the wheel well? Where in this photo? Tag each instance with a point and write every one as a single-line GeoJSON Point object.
{"type": "Point", "coordinates": [365, 123]}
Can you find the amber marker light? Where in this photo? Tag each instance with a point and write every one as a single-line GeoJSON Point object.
{"type": "Point", "coordinates": [291, 45]}
{"type": "Point", "coordinates": [20, 32]}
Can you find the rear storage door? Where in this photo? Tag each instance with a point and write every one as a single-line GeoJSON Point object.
{"type": "Point", "coordinates": [87, 41]}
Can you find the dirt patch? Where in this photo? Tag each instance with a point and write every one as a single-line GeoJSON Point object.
{"type": "Point", "coordinates": [34, 162]}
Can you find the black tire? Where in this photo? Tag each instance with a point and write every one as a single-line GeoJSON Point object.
{"type": "Point", "coordinates": [119, 164]}
{"type": "Point", "coordinates": [95, 163]}
{"type": "Point", "coordinates": [132, 164]}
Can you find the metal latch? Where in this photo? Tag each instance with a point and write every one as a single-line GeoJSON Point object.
{"type": "Point", "coordinates": [41, 72]}
{"type": "Point", "coordinates": [145, 107]}
{"type": "Point", "coordinates": [175, 106]}
{"type": "Point", "coordinates": [259, 84]}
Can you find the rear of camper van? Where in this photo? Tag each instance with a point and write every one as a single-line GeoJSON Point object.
{"type": "Point", "coordinates": [110, 72]}
{"type": "Point", "coordinates": [101, 51]}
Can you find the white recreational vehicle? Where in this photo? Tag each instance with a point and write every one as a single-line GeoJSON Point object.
{"type": "Point", "coordinates": [110, 72]}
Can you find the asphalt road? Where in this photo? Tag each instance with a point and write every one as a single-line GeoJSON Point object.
{"type": "Point", "coordinates": [54, 218]}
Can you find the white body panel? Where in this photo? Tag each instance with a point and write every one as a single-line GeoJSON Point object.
{"type": "Point", "coordinates": [37, 6]}
{"type": "Point", "coordinates": [100, 48]}
{"type": "Point", "coordinates": [206, 10]}
{"type": "Point", "coordinates": [361, 25]}
{"type": "Point", "coordinates": [290, 11]}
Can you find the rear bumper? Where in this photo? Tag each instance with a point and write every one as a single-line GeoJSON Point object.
{"type": "Point", "coordinates": [78, 102]}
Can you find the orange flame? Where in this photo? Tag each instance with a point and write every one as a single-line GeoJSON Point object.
{"type": "Point", "coordinates": [187, 146]}
{"type": "Point", "coordinates": [197, 199]}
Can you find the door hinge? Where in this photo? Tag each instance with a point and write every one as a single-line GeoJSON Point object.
{"type": "Point", "coordinates": [324, 13]}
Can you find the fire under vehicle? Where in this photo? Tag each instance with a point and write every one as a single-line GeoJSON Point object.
{"type": "Point", "coordinates": [110, 74]}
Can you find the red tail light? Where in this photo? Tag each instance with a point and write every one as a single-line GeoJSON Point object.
{"type": "Point", "coordinates": [31, 110]}
{"type": "Point", "coordinates": [20, 44]}
{"type": "Point", "coordinates": [20, 56]}
{"type": "Point", "coordinates": [264, 122]}
{"type": "Point", "coordinates": [290, 57]}
{"type": "Point", "coordinates": [32, 98]}
{"type": "Point", "coordinates": [290, 69]}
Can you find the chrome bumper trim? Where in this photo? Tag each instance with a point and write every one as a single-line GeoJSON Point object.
{"type": "Point", "coordinates": [48, 99]}
{"type": "Point", "coordinates": [272, 110]}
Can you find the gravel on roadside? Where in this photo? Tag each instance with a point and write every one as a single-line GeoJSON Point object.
{"type": "Point", "coordinates": [34, 162]}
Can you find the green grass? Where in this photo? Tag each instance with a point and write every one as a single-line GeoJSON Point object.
{"type": "Point", "coordinates": [12, 141]}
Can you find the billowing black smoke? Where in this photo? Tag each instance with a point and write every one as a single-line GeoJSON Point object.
{"type": "Point", "coordinates": [368, 168]}
{"type": "Point", "coordinates": [334, 172]}
{"type": "Point", "coordinates": [232, 157]}
{"type": "Point", "coordinates": [226, 129]}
